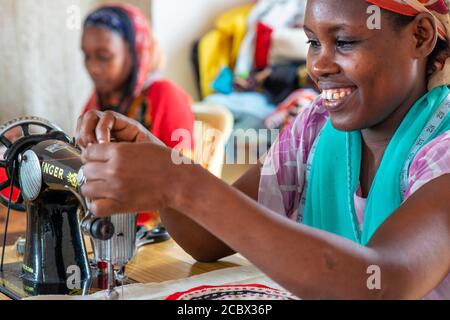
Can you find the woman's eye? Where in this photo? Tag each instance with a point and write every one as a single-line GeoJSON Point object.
{"type": "Point", "coordinates": [104, 58]}
{"type": "Point", "coordinates": [345, 44]}
{"type": "Point", "coordinates": [313, 43]}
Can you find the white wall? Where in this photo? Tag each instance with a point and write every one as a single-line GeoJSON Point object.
{"type": "Point", "coordinates": [177, 24]}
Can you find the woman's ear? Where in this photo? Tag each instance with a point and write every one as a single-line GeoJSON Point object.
{"type": "Point", "coordinates": [425, 34]}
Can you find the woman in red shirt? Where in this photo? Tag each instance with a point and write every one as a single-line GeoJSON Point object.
{"type": "Point", "coordinates": [123, 59]}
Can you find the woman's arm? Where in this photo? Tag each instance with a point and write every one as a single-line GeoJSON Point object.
{"type": "Point", "coordinates": [197, 241]}
{"type": "Point", "coordinates": [410, 248]}
{"type": "Point", "coordinates": [96, 126]}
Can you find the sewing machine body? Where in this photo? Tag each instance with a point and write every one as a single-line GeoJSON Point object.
{"type": "Point", "coordinates": [47, 169]}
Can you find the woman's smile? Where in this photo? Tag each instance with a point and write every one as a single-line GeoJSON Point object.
{"type": "Point", "coordinates": [335, 99]}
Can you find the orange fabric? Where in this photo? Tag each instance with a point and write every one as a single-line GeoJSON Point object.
{"type": "Point", "coordinates": [394, 6]}
{"type": "Point", "coordinates": [438, 8]}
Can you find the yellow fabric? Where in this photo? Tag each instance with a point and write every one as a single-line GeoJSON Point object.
{"type": "Point", "coordinates": [213, 53]}
{"type": "Point", "coordinates": [234, 24]}
{"type": "Point", "coordinates": [220, 47]}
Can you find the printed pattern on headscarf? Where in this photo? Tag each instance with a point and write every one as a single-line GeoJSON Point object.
{"type": "Point", "coordinates": [109, 19]}
{"type": "Point", "coordinates": [439, 9]}
{"type": "Point", "coordinates": [143, 47]}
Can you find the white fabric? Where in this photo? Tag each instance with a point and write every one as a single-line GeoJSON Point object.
{"type": "Point", "coordinates": [275, 14]}
{"type": "Point", "coordinates": [288, 44]}
{"type": "Point", "coordinates": [159, 291]}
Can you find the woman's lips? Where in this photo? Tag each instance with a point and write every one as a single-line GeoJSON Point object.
{"type": "Point", "coordinates": [333, 99]}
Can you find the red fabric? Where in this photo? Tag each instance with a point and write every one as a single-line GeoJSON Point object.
{"type": "Point", "coordinates": [394, 6]}
{"type": "Point", "coordinates": [406, 9]}
{"type": "Point", "coordinates": [170, 109]}
{"type": "Point", "coordinates": [5, 192]}
{"type": "Point", "coordinates": [263, 40]}
{"type": "Point", "coordinates": [232, 292]}
{"type": "Point", "coordinates": [143, 44]}
{"type": "Point", "coordinates": [417, 6]}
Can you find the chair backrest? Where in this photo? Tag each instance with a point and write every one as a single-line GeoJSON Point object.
{"type": "Point", "coordinates": [213, 128]}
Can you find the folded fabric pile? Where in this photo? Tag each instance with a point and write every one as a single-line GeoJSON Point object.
{"type": "Point", "coordinates": [237, 283]}
{"type": "Point", "coordinates": [253, 59]}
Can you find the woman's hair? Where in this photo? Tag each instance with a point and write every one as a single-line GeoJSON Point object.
{"type": "Point", "coordinates": [401, 21]}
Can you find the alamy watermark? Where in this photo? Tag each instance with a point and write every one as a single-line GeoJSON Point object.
{"type": "Point", "coordinates": [73, 281]}
{"type": "Point", "coordinates": [374, 279]}
{"type": "Point", "coordinates": [245, 146]}
{"type": "Point", "coordinates": [374, 20]}
{"type": "Point", "coordinates": [73, 21]}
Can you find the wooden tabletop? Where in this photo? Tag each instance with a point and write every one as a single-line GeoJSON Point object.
{"type": "Point", "coordinates": [161, 262]}
{"type": "Point", "coordinates": [17, 225]}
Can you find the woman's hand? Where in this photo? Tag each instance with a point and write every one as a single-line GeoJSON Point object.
{"type": "Point", "coordinates": [130, 177]}
{"type": "Point", "coordinates": [100, 127]}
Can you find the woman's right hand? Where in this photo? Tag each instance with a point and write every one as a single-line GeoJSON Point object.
{"type": "Point", "coordinates": [100, 127]}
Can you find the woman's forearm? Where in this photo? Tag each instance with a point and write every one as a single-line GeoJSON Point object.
{"type": "Point", "coordinates": [310, 263]}
{"type": "Point", "coordinates": [195, 240]}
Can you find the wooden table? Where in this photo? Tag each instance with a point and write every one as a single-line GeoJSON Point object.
{"type": "Point", "coordinates": [161, 262]}
{"type": "Point", "coordinates": [17, 225]}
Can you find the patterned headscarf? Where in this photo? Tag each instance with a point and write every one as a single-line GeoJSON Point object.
{"type": "Point", "coordinates": [131, 24]}
{"type": "Point", "coordinates": [439, 9]}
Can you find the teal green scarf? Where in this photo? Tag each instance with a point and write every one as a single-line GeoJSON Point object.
{"type": "Point", "coordinates": [335, 169]}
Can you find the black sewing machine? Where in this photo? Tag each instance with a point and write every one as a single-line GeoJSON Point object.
{"type": "Point", "coordinates": [43, 164]}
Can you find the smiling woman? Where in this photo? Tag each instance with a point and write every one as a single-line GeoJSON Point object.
{"type": "Point", "coordinates": [359, 180]}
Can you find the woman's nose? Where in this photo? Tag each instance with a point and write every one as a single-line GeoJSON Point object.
{"type": "Point", "coordinates": [93, 68]}
{"type": "Point", "coordinates": [90, 64]}
{"type": "Point", "coordinates": [323, 63]}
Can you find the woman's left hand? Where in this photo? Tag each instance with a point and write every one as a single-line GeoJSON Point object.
{"type": "Point", "coordinates": [129, 177]}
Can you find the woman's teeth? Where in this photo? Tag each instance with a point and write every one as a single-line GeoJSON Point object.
{"type": "Point", "coordinates": [336, 94]}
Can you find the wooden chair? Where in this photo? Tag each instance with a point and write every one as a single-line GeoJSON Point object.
{"type": "Point", "coordinates": [213, 128]}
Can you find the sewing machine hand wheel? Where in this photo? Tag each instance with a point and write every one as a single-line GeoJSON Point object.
{"type": "Point", "coordinates": [15, 137]}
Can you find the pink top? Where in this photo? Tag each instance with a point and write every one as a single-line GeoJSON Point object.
{"type": "Point", "coordinates": [283, 174]}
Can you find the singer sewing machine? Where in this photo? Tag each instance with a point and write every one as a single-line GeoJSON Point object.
{"type": "Point", "coordinates": [43, 164]}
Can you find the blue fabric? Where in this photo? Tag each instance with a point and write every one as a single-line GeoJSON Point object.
{"type": "Point", "coordinates": [224, 81]}
{"type": "Point", "coordinates": [244, 104]}
{"type": "Point", "coordinates": [110, 18]}
{"type": "Point", "coordinates": [335, 170]}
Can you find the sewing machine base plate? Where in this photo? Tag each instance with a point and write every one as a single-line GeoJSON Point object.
{"type": "Point", "coordinates": [16, 288]}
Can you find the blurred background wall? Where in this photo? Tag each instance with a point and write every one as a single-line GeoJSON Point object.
{"type": "Point", "coordinates": [41, 65]}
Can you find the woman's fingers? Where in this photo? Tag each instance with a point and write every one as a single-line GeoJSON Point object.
{"type": "Point", "coordinates": [96, 126]}
{"type": "Point", "coordinates": [120, 172]}
{"type": "Point", "coordinates": [94, 171]}
{"type": "Point", "coordinates": [105, 125]}
{"type": "Point", "coordinates": [96, 190]}
{"type": "Point", "coordinates": [97, 153]}
{"type": "Point", "coordinates": [105, 207]}
{"type": "Point", "coordinates": [86, 126]}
